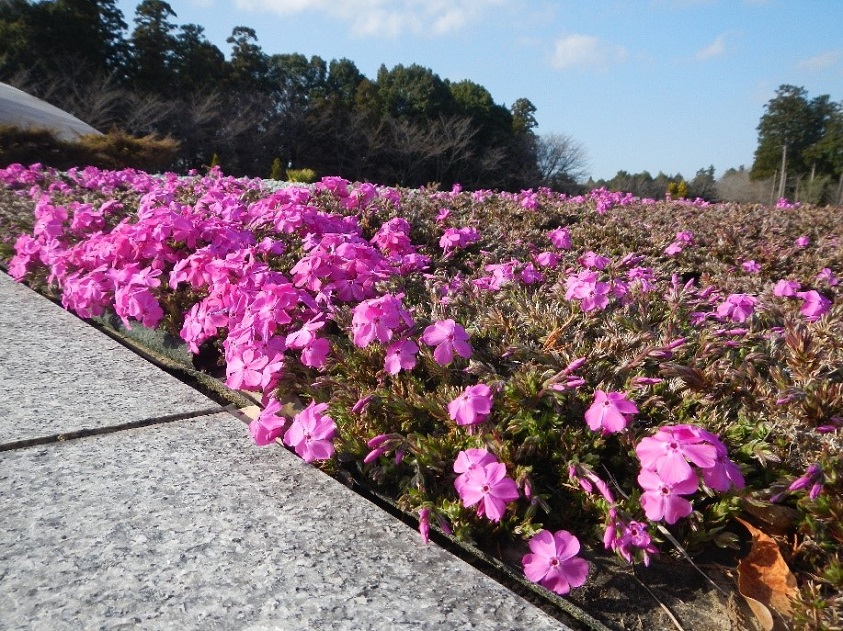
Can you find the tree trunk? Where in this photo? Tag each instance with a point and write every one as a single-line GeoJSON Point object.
{"type": "Point", "coordinates": [784, 171]}
{"type": "Point", "coordinates": [840, 190]}
{"type": "Point", "coordinates": [773, 189]}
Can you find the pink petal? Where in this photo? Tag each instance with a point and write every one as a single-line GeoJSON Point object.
{"type": "Point", "coordinates": [566, 544]}
{"type": "Point", "coordinates": [674, 468]}
{"type": "Point", "coordinates": [494, 507]}
{"type": "Point", "coordinates": [676, 508]}
{"type": "Point", "coordinates": [443, 354]}
{"type": "Point", "coordinates": [535, 566]}
{"type": "Point", "coordinates": [321, 450]}
{"type": "Point", "coordinates": [470, 494]}
{"type": "Point", "coordinates": [543, 544]}
{"type": "Point", "coordinates": [687, 486]}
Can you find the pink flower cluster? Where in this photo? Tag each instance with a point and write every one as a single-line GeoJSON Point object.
{"type": "Point", "coordinates": [814, 304]}
{"type": "Point", "coordinates": [482, 480]}
{"type": "Point", "coordinates": [592, 293]}
{"type": "Point", "coordinates": [667, 475]}
{"type": "Point", "coordinates": [454, 238]}
{"type": "Point", "coordinates": [310, 434]}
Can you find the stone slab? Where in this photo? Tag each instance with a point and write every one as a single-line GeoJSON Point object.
{"type": "Point", "coordinates": [60, 375]}
{"type": "Point", "coordinates": [189, 525]}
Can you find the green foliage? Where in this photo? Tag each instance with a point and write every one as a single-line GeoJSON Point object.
{"type": "Point", "coordinates": [807, 133]}
{"type": "Point", "coordinates": [153, 42]}
{"type": "Point", "coordinates": [215, 161]}
{"type": "Point", "coordinates": [277, 170]}
{"type": "Point", "coordinates": [302, 176]}
{"type": "Point", "coordinates": [678, 190]}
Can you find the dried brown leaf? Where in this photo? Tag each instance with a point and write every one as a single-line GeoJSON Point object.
{"type": "Point", "coordinates": [764, 579]}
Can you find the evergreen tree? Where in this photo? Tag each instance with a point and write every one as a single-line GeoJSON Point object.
{"type": "Point", "coordinates": [791, 123]}
{"type": "Point", "coordinates": [153, 48]}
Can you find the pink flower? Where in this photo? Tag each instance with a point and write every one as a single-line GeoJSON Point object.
{"type": "Point", "coordinates": [814, 305]}
{"type": "Point", "coordinates": [424, 524]}
{"type": "Point", "coordinates": [400, 355]}
{"type": "Point", "coordinates": [560, 238]}
{"type": "Point", "coordinates": [489, 487]}
{"type": "Point", "coordinates": [269, 425]}
{"type": "Point", "coordinates": [627, 537]}
{"type": "Point", "coordinates": [448, 337]}
{"type": "Point", "coordinates": [737, 307]}
{"type": "Point", "coordinates": [609, 412]}
{"type": "Point", "coordinates": [667, 453]}
{"type": "Point", "coordinates": [316, 352]}
{"type": "Point", "coordinates": [786, 288]}
{"type": "Point", "coordinates": [244, 371]}
{"type": "Point", "coordinates": [828, 276]}
{"type": "Point", "coordinates": [751, 266]}
{"type": "Point", "coordinates": [663, 500]}
{"type": "Point", "coordinates": [473, 406]}
{"type": "Point", "coordinates": [547, 259]}
{"type": "Point", "coordinates": [458, 238]}
{"type": "Point", "coordinates": [553, 562]}
{"type": "Point", "coordinates": [585, 287]}
{"type": "Point", "coordinates": [467, 460]}
{"type": "Point", "coordinates": [674, 248]}
{"type": "Point", "coordinates": [724, 474]}
{"type": "Point", "coordinates": [530, 275]}
{"type": "Point", "coordinates": [593, 260]}
{"type": "Point", "coordinates": [312, 433]}
{"type": "Point", "coordinates": [812, 477]}
{"type": "Point", "coordinates": [588, 480]}
{"type": "Point", "coordinates": [362, 404]}
{"type": "Point", "coordinates": [378, 318]}
{"type": "Point", "coordinates": [802, 242]}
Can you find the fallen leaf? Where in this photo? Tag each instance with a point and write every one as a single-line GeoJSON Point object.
{"type": "Point", "coordinates": [764, 579]}
{"type": "Point", "coordinates": [246, 414]}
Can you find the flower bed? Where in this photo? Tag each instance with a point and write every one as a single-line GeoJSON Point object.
{"type": "Point", "coordinates": [599, 371]}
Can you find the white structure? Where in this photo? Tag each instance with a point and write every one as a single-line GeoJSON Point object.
{"type": "Point", "coordinates": [24, 110]}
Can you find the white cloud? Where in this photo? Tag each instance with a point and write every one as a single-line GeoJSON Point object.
{"type": "Point", "coordinates": [822, 61]}
{"type": "Point", "coordinates": [714, 49]}
{"type": "Point", "coordinates": [385, 18]}
{"type": "Point", "coordinates": [586, 51]}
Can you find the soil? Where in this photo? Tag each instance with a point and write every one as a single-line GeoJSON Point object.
{"type": "Point", "coordinates": [670, 594]}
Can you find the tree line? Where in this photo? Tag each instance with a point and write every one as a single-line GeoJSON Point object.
{"type": "Point", "coordinates": [799, 156]}
{"type": "Point", "coordinates": [405, 126]}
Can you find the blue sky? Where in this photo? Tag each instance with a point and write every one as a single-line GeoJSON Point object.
{"type": "Point", "coordinates": [656, 85]}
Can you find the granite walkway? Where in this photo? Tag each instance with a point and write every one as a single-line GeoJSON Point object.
{"type": "Point", "coordinates": [130, 501]}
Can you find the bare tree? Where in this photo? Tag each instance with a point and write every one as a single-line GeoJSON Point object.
{"type": "Point", "coordinates": [560, 159]}
{"type": "Point", "coordinates": [737, 186]}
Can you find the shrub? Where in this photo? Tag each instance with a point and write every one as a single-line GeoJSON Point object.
{"type": "Point", "coordinates": [277, 171]}
{"type": "Point", "coordinates": [301, 176]}
{"type": "Point", "coordinates": [115, 150]}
